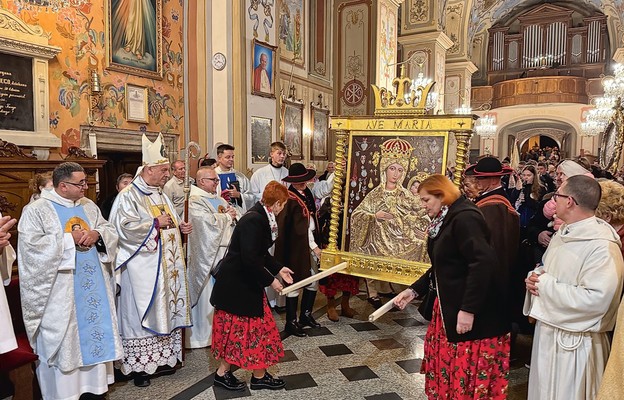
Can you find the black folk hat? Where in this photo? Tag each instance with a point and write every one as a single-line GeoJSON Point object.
{"type": "Point", "coordinates": [298, 173]}
{"type": "Point", "coordinates": [488, 166]}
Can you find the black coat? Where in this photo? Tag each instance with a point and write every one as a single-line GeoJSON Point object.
{"type": "Point", "coordinates": [464, 265]}
{"type": "Point", "coordinates": [247, 267]}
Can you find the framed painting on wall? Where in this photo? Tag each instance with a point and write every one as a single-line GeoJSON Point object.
{"type": "Point", "coordinates": [292, 126]}
{"type": "Point", "coordinates": [263, 69]}
{"type": "Point", "coordinates": [261, 134]}
{"type": "Point", "coordinates": [319, 116]}
{"type": "Point", "coordinates": [137, 103]}
{"type": "Point", "coordinates": [291, 29]}
{"type": "Point", "coordinates": [134, 33]}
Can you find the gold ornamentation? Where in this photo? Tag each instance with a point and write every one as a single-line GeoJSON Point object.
{"type": "Point", "coordinates": [463, 147]}
{"type": "Point", "coordinates": [406, 101]}
{"type": "Point", "coordinates": [341, 139]}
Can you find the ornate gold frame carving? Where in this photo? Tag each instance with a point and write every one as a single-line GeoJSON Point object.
{"type": "Point", "coordinates": [395, 121]}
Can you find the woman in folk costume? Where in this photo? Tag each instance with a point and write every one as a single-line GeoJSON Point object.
{"type": "Point", "coordinates": [468, 341]}
{"type": "Point", "coordinates": [298, 246]}
{"type": "Point", "coordinates": [244, 331]}
{"type": "Point", "coordinates": [153, 305]}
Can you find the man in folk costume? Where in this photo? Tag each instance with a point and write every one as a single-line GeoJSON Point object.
{"type": "Point", "coordinates": [297, 246]}
{"type": "Point", "coordinates": [213, 220]}
{"type": "Point", "coordinates": [7, 257]}
{"type": "Point", "coordinates": [234, 186]}
{"type": "Point", "coordinates": [504, 225]}
{"type": "Point", "coordinates": [154, 299]}
{"type": "Point", "coordinates": [65, 251]}
{"type": "Point", "coordinates": [574, 297]}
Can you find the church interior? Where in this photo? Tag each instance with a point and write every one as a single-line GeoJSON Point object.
{"type": "Point", "coordinates": [252, 72]}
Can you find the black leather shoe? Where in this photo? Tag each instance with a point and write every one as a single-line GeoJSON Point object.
{"type": "Point", "coordinates": [293, 328]}
{"type": "Point", "coordinates": [375, 302]}
{"type": "Point", "coordinates": [142, 380]}
{"type": "Point", "coordinates": [267, 382]}
{"type": "Point", "coordinates": [307, 319]}
{"type": "Point", "coordinates": [228, 381]}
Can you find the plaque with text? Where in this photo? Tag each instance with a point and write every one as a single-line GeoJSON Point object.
{"type": "Point", "coordinates": [16, 93]}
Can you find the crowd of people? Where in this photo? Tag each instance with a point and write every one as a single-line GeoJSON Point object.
{"type": "Point", "coordinates": [111, 294]}
{"type": "Point", "coordinates": [556, 232]}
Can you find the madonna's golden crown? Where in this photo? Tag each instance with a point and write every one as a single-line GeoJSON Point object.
{"type": "Point", "coordinates": [406, 101]}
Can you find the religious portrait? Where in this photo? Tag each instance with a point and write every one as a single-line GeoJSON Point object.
{"type": "Point", "coordinates": [134, 29]}
{"type": "Point", "coordinates": [319, 117]}
{"type": "Point", "coordinates": [292, 126]}
{"type": "Point", "coordinates": [385, 217]}
{"type": "Point", "coordinates": [261, 139]}
{"type": "Point", "coordinates": [291, 30]}
{"type": "Point", "coordinates": [263, 69]}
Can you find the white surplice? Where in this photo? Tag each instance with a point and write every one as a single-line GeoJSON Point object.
{"type": "Point", "coordinates": [263, 176]}
{"type": "Point", "coordinates": [46, 259]}
{"type": "Point", "coordinates": [212, 230]}
{"type": "Point", "coordinates": [7, 335]}
{"type": "Point", "coordinates": [576, 307]}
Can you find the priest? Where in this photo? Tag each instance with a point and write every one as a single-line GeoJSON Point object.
{"type": "Point", "coordinates": [153, 304]}
{"type": "Point", "coordinates": [7, 257]}
{"type": "Point", "coordinates": [65, 250]}
{"type": "Point", "coordinates": [213, 220]}
{"type": "Point", "coordinates": [574, 297]}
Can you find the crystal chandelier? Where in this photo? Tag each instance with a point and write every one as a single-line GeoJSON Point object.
{"type": "Point", "coordinates": [598, 118]}
{"type": "Point", "coordinates": [464, 110]}
{"type": "Point", "coordinates": [486, 127]}
{"type": "Point", "coordinates": [50, 5]}
{"type": "Point", "coordinates": [417, 86]}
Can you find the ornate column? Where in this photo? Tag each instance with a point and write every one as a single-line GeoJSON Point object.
{"type": "Point", "coordinates": [457, 85]}
{"type": "Point", "coordinates": [428, 54]}
{"type": "Point", "coordinates": [341, 140]}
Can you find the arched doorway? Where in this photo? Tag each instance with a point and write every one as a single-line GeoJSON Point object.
{"type": "Point", "coordinates": [544, 133]}
{"type": "Point", "coordinates": [538, 145]}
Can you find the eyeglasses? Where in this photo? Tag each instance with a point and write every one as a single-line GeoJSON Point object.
{"type": "Point", "coordinates": [565, 196]}
{"type": "Point", "coordinates": [81, 184]}
{"type": "Point", "coordinates": [215, 180]}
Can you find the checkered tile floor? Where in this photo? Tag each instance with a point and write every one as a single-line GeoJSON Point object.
{"type": "Point", "coordinates": [349, 359]}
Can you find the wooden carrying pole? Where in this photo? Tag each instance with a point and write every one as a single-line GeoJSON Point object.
{"type": "Point", "coordinates": [305, 282]}
{"type": "Point", "coordinates": [382, 310]}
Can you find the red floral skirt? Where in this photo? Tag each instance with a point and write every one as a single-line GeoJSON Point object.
{"type": "Point", "coordinates": [342, 282]}
{"type": "Point", "coordinates": [247, 342]}
{"type": "Point", "coordinates": [474, 369]}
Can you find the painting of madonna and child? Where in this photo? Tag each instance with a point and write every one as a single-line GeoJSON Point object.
{"type": "Point", "coordinates": [385, 217]}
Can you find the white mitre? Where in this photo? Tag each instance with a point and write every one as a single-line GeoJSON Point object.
{"type": "Point", "coordinates": [153, 152]}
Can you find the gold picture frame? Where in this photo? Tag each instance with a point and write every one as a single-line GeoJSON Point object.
{"type": "Point", "coordinates": [137, 107]}
{"type": "Point", "coordinates": [368, 147]}
{"type": "Point", "coordinates": [139, 54]}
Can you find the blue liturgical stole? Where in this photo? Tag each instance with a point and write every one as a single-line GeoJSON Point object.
{"type": "Point", "coordinates": [226, 178]}
{"type": "Point", "coordinates": [216, 202]}
{"type": "Point", "coordinates": [93, 314]}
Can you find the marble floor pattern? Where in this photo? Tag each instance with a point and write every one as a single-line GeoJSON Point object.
{"type": "Point", "coordinates": [349, 359]}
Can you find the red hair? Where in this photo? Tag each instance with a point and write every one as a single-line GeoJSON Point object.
{"type": "Point", "coordinates": [274, 191]}
{"type": "Point", "coordinates": [440, 186]}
